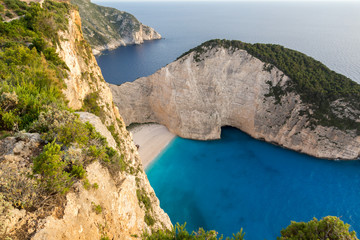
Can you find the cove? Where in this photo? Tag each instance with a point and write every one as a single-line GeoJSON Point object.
{"type": "Point", "coordinates": [239, 182]}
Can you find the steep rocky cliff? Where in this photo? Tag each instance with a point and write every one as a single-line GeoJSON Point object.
{"type": "Point", "coordinates": [108, 28]}
{"type": "Point", "coordinates": [114, 201]}
{"type": "Point", "coordinates": [214, 86]}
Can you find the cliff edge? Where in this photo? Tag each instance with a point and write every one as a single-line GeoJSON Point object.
{"type": "Point", "coordinates": [108, 28]}
{"type": "Point", "coordinates": [64, 175]}
{"type": "Point", "coordinates": [221, 84]}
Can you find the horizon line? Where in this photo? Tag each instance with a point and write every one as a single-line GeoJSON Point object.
{"type": "Point", "coordinates": [128, 1]}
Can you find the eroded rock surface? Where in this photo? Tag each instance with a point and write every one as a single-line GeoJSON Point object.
{"type": "Point", "coordinates": [195, 97]}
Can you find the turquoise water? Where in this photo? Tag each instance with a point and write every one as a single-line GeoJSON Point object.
{"type": "Point", "coordinates": [239, 182]}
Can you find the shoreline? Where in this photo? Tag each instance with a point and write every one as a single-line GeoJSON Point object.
{"type": "Point", "coordinates": [152, 140]}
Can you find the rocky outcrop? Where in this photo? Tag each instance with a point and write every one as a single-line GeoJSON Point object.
{"type": "Point", "coordinates": [122, 215]}
{"type": "Point", "coordinates": [201, 92]}
{"type": "Point", "coordinates": [108, 28]}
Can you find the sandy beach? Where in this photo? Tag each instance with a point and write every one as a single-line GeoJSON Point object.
{"type": "Point", "coordinates": [152, 139]}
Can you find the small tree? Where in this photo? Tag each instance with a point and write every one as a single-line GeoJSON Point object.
{"type": "Point", "coordinates": [50, 167]}
{"type": "Point", "coordinates": [328, 228]}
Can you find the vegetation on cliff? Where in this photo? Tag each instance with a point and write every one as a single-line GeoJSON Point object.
{"type": "Point", "coordinates": [34, 115]}
{"type": "Point", "coordinates": [325, 91]}
{"type": "Point", "coordinates": [31, 71]}
{"type": "Point", "coordinates": [31, 100]}
{"type": "Point", "coordinates": [329, 228]}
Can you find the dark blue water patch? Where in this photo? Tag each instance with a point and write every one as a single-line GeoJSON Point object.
{"type": "Point", "coordinates": [125, 64]}
{"type": "Point", "coordinates": [239, 182]}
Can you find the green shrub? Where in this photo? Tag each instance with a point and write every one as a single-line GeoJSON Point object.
{"type": "Point", "coordinates": [180, 232]}
{"type": "Point", "coordinates": [86, 184]}
{"type": "Point", "coordinates": [15, 4]}
{"type": "Point", "coordinates": [35, 85]}
{"type": "Point", "coordinates": [50, 167]}
{"type": "Point", "coordinates": [149, 220]}
{"type": "Point", "coordinates": [10, 120]}
{"type": "Point", "coordinates": [73, 132]}
{"type": "Point", "coordinates": [98, 153]}
{"type": "Point", "coordinates": [78, 172]}
{"type": "Point", "coordinates": [91, 105]}
{"type": "Point", "coordinates": [9, 14]}
{"type": "Point", "coordinates": [316, 84]}
{"type": "Point", "coordinates": [97, 208]}
{"type": "Point", "coordinates": [39, 43]}
{"type": "Point", "coordinates": [329, 228]}
{"type": "Point", "coordinates": [50, 120]}
{"type": "Point", "coordinates": [143, 198]}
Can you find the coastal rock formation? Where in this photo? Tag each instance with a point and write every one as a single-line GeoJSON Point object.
{"type": "Point", "coordinates": [202, 91]}
{"type": "Point", "coordinates": [121, 215]}
{"type": "Point", "coordinates": [119, 192]}
{"type": "Point", "coordinates": [108, 28]}
{"type": "Point", "coordinates": [124, 216]}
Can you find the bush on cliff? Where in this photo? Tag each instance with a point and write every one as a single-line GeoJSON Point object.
{"type": "Point", "coordinates": [50, 167]}
{"type": "Point", "coordinates": [31, 98]}
{"type": "Point", "coordinates": [328, 228]}
{"type": "Point", "coordinates": [179, 232]}
{"type": "Point", "coordinates": [317, 85]}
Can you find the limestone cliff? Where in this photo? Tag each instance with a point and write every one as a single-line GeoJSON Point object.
{"type": "Point", "coordinates": [118, 194]}
{"type": "Point", "coordinates": [217, 86]}
{"type": "Point", "coordinates": [108, 28]}
{"type": "Point", "coordinates": [124, 216]}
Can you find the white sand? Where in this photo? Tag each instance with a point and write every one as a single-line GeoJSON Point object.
{"type": "Point", "coordinates": [152, 139]}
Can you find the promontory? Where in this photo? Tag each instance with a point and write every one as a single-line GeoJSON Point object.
{"type": "Point", "coordinates": [270, 92]}
{"type": "Point", "coordinates": [108, 28]}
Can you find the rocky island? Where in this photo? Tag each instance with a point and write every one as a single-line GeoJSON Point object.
{"type": "Point", "coordinates": [108, 28]}
{"type": "Point", "coordinates": [270, 92]}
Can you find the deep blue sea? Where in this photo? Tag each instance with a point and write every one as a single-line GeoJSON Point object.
{"type": "Point", "coordinates": [238, 182]}
{"type": "Point", "coordinates": [329, 32]}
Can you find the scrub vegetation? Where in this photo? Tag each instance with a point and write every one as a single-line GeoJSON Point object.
{"type": "Point", "coordinates": [31, 100]}
{"type": "Point", "coordinates": [317, 85]}
{"type": "Point", "coordinates": [328, 228]}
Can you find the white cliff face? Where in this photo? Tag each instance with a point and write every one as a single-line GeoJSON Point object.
{"type": "Point", "coordinates": [228, 88]}
{"type": "Point", "coordinates": [122, 215]}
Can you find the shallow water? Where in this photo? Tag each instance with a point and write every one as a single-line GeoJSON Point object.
{"type": "Point", "coordinates": [239, 182]}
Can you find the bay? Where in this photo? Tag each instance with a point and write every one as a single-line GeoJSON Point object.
{"type": "Point", "coordinates": [327, 31]}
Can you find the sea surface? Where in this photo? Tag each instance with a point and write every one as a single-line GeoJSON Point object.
{"type": "Point", "coordinates": [238, 182]}
{"type": "Point", "coordinates": [329, 32]}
